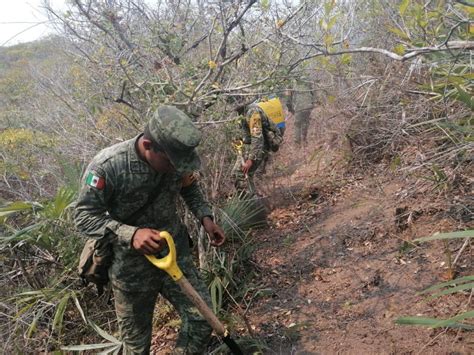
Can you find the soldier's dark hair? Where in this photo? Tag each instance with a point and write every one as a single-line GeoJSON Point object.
{"type": "Point", "coordinates": [155, 146]}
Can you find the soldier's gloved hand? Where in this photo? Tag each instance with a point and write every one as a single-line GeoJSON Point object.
{"type": "Point", "coordinates": [246, 166]}
{"type": "Point", "coordinates": [148, 241]}
{"type": "Point", "coordinates": [215, 232]}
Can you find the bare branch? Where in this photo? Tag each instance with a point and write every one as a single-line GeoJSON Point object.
{"type": "Point", "coordinates": [453, 45]}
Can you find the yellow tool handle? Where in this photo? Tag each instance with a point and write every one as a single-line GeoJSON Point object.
{"type": "Point", "coordinates": [168, 263]}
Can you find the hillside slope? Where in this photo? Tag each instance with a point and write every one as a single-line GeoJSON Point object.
{"type": "Point", "coordinates": [337, 266]}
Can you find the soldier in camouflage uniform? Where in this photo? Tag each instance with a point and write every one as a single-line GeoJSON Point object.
{"type": "Point", "coordinates": [301, 102]}
{"type": "Point", "coordinates": [253, 152]}
{"type": "Point", "coordinates": [117, 184]}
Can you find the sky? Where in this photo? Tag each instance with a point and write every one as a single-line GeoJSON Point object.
{"type": "Point", "coordinates": [24, 20]}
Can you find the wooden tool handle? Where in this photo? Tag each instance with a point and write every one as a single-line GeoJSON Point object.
{"type": "Point", "coordinates": [197, 300]}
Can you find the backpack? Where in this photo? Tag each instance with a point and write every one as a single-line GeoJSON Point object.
{"type": "Point", "coordinates": [274, 111]}
{"type": "Point", "coordinates": [94, 262]}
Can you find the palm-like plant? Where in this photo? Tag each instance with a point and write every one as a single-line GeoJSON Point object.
{"type": "Point", "coordinates": [227, 270]}
{"type": "Point", "coordinates": [240, 215]}
{"type": "Point", "coordinates": [37, 239]}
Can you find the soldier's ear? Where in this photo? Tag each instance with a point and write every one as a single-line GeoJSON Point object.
{"type": "Point", "coordinates": [147, 144]}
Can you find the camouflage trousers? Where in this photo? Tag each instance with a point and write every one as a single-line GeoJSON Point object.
{"type": "Point", "coordinates": [134, 311]}
{"type": "Point", "coordinates": [302, 119]}
{"type": "Point", "coordinates": [245, 184]}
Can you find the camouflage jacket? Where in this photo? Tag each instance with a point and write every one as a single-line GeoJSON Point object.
{"type": "Point", "coordinates": [123, 184]}
{"type": "Point", "coordinates": [255, 148]}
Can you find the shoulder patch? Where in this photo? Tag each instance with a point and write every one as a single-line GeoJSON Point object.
{"type": "Point", "coordinates": [95, 180]}
{"type": "Point", "coordinates": [255, 124]}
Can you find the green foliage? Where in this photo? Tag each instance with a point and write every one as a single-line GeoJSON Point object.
{"type": "Point", "coordinates": [463, 287]}
{"type": "Point", "coordinates": [346, 59]}
{"type": "Point", "coordinates": [329, 6]}
{"type": "Point", "coordinates": [445, 288]}
{"type": "Point", "coordinates": [395, 163]}
{"type": "Point", "coordinates": [421, 25]}
{"type": "Point", "coordinates": [403, 6]}
{"type": "Point", "coordinates": [71, 171]}
{"type": "Point", "coordinates": [40, 302]}
{"type": "Point", "coordinates": [24, 152]}
{"type": "Point", "coordinates": [405, 247]}
{"type": "Point", "coordinates": [43, 224]}
{"type": "Point", "coordinates": [463, 96]}
{"type": "Point", "coordinates": [228, 274]}
{"type": "Point", "coordinates": [18, 88]}
{"type": "Point", "coordinates": [438, 177]}
{"type": "Point", "coordinates": [38, 236]}
{"type": "Point", "coordinates": [240, 215]}
{"type": "Point", "coordinates": [448, 283]}
{"type": "Point", "coordinates": [265, 5]}
{"type": "Point", "coordinates": [113, 345]}
{"type": "Point", "coordinates": [453, 81]}
{"type": "Point", "coordinates": [443, 236]}
{"type": "Point", "coordinates": [289, 240]}
{"type": "Point", "coordinates": [445, 81]}
{"type": "Point", "coordinates": [399, 49]}
{"type": "Point", "coordinates": [399, 33]}
{"type": "Point", "coordinates": [434, 322]}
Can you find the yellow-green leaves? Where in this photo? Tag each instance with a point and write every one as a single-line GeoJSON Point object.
{"type": "Point", "coordinates": [403, 6]}
{"type": "Point", "coordinates": [265, 5]}
{"type": "Point", "coordinates": [464, 97]}
{"type": "Point", "coordinates": [468, 9]}
{"type": "Point", "coordinates": [332, 21]}
{"type": "Point", "coordinates": [60, 311]}
{"type": "Point", "coordinates": [346, 58]}
{"type": "Point", "coordinates": [327, 22]}
{"type": "Point", "coordinates": [399, 33]}
{"type": "Point", "coordinates": [13, 138]}
{"type": "Point", "coordinates": [328, 39]}
{"type": "Point", "coordinates": [399, 49]}
{"type": "Point", "coordinates": [327, 25]}
{"type": "Point", "coordinates": [15, 207]}
{"type": "Point", "coordinates": [212, 65]}
{"type": "Point", "coordinates": [328, 6]}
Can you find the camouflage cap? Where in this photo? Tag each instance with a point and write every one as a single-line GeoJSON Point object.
{"type": "Point", "coordinates": [174, 131]}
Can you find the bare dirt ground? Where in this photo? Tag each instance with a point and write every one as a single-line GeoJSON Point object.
{"type": "Point", "coordinates": [337, 266]}
{"type": "Point", "coordinates": [339, 270]}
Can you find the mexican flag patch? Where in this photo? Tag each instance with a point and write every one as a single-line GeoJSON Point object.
{"type": "Point", "coordinates": [95, 181]}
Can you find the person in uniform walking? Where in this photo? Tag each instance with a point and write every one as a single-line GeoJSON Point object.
{"type": "Point", "coordinates": [301, 102]}
{"type": "Point", "coordinates": [251, 148]}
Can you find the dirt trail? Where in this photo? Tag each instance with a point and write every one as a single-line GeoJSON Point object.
{"type": "Point", "coordinates": [337, 274]}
